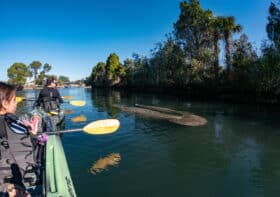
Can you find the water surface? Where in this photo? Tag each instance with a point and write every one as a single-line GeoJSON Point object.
{"type": "Point", "coordinates": [237, 153]}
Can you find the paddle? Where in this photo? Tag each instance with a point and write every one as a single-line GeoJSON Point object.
{"type": "Point", "coordinates": [98, 127]}
{"type": "Point", "coordinates": [67, 97]}
{"type": "Point", "coordinates": [19, 98]}
{"type": "Point", "coordinates": [78, 103]}
{"type": "Point", "coordinates": [74, 102]}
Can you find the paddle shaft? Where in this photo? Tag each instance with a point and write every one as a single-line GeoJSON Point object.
{"type": "Point", "coordinates": [33, 99]}
{"type": "Point", "coordinates": [24, 99]}
{"type": "Point", "coordinates": [70, 102]}
{"type": "Point", "coordinates": [64, 131]}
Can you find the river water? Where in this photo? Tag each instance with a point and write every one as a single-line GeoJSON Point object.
{"type": "Point", "coordinates": [237, 153]}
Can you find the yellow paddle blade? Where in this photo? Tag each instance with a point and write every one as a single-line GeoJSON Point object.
{"type": "Point", "coordinates": [53, 113]}
{"type": "Point", "coordinates": [78, 103]}
{"type": "Point", "coordinates": [81, 118]}
{"type": "Point", "coordinates": [102, 126]}
{"type": "Point", "coordinates": [19, 98]}
{"type": "Point", "coordinates": [67, 97]}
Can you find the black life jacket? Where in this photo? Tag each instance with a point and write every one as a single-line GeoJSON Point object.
{"type": "Point", "coordinates": [17, 161]}
{"type": "Point", "coordinates": [49, 101]}
{"type": "Point", "coordinates": [49, 104]}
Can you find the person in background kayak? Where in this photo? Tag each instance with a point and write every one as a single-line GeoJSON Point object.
{"type": "Point", "coordinates": [16, 147]}
{"type": "Point", "coordinates": [49, 97]}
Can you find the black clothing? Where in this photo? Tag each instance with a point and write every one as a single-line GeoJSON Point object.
{"type": "Point", "coordinates": [17, 161]}
{"type": "Point", "coordinates": [49, 99]}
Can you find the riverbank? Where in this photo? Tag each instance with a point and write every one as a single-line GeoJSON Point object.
{"type": "Point", "coordinates": [40, 87]}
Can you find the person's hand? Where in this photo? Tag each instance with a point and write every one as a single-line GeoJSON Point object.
{"type": "Point", "coordinates": [33, 124]}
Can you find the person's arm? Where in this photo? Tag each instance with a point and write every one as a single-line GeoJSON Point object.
{"type": "Point", "coordinates": [16, 124]}
{"type": "Point", "coordinates": [38, 101]}
{"type": "Point", "coordinates": [58, 96]}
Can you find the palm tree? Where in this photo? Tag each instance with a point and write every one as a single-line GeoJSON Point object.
{"type": "Point", "coordinates": [217, 27]}
{"type": "Point", "coordinates": [228, 28]}
{"type": "Point", "coordinates": [34, 67]}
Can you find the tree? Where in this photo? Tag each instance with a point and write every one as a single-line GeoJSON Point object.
{"type": "Point", "coordinates": [273, 26]}
{"type": "Point", "coordinates": [112, 64]}
{"type": "Point", "coordinates": [47, 67]}
{"type": "Point", "coordinates": [243, 53]}
{"type": "Point", "coordinates": [217, 29]}
{"type": "Point", "coordinates": [228, 28]}
{"type": "Point", "coordinates": [88, 81]}
{"type": "Point", "coordinates": [34, 67]}
{"type": "Point", "coordinates": [194, 34]}
{"type": "Point", "coordinates": [98, 75]}
{"type": "Point", "coordinates": [192, 29]}
{"type": "Point", "coordinates": [168, 62]}
{"type": "Point", "coordinates": [114, 70]}
{"type": "Point", "coordinates": [143, 72]}
{"type": "Point", "coordinates": [268, 77]}
{"type": "Point", "coordinates": [269, 68]}
{"type": "Point", "coordinates": [244, 59]}
{"type": "Point", "coordinates": [129, 66]}
{"type": "Point", "coordinates": [42, 75]}
{"type": "Point", "coordinates": [17, 73]}
{"type": "Point", "coordinates": [63, 79]}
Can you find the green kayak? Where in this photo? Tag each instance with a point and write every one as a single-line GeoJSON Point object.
{"type": "Point", "coordinates": [58, 180]}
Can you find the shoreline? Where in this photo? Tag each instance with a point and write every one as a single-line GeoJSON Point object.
{"type": "Point", "coordinates": [203, 95]}
{"type": "Point", "coordinates": [39, 88]}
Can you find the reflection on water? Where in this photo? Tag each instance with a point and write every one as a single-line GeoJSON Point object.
{"type": "Point", "coordinates": [235, 154]}
{"type": "Point", "coordinates": [218, 126]}
{"type": "Point", "coordinates": [80, 118]}
{"type": "Point", "coordinates": [68, 111]}
{"type": "Point", "coordinates": [104, 163]}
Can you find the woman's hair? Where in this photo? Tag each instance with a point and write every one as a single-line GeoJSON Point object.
{"type": "Point", "coordinates": [7, 92]}
{"type": "Point", "coordinates": [50, 80]}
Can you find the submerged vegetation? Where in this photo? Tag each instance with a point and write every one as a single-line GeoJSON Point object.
{"type": "Point", "coordinates": [178, 117]}
{"type": "Point", "coordinates": [188, 61]}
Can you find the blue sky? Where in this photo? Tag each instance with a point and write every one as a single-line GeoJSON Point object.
{"type": "Point", "coordinates": [73, 35]}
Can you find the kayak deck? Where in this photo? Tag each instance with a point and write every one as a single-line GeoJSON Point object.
{"type": "Point", "coordinates": [58, 179]}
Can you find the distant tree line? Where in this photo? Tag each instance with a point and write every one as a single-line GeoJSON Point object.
{"type": "Point", "coordinates": [189, 58]}
{"type": "Point", "coordinates": [19, 72]}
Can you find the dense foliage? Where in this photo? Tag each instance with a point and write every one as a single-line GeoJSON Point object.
{"type": "Point", "coordinates": [18, 73]}
{"type": "Point", "coordinates": [190, 58]}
